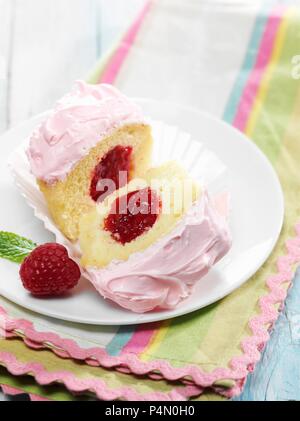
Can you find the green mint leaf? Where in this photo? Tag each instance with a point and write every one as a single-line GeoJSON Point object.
{"type": "Point", "coordinates": [14, 248]}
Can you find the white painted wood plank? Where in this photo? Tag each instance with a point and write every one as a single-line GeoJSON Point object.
{"type": "Point", "coordinates": [54, 43]}
{"type": "Point", "coordinates": [116, 16]}
{"type": "Point", "coordinates": [6, 8]}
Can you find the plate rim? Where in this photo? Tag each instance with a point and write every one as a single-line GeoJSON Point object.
{"type": "Point", "coordinates": [158, 316]}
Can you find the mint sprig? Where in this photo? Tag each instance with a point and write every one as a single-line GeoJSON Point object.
{"type": "Point", "coordinates": [15, 248]}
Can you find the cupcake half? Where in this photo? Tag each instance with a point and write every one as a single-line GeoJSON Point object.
{"type": "Point", "coordinates": [94, 134]}
{"type": "Point", "coordinates": [148, 243]}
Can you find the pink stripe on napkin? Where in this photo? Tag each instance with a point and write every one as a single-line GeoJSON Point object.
{"type": "Point", "coordinates": [255, 77]}
{"type": "Point", "coordinates": [120, 55]}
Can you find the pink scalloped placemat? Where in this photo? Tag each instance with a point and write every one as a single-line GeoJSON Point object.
{"type": "Point", "coordinates": [239, 366]}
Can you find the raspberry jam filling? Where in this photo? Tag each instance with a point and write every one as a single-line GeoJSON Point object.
{"type": "Point", "coordinates": [115, 166]}
{"type": "Point", "coordinates": [132, 215]}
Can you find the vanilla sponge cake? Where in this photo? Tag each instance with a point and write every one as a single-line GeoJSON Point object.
{"type": "Point", "coordinates": [147, 244]}
{"type": "Point", "coordinates": [163, 186]}
{"type": "Point", "coordinates": [93, 142]}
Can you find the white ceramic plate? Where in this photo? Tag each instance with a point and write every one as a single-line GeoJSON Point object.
{"type": "Point", "coordinates": [255, 220]}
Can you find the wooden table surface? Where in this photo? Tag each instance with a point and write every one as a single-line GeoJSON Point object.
{"type": "Point", "coordinates": [45, 46]}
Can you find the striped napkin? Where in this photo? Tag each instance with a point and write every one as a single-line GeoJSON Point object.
{"type": "Point", "coordinates": [240, 62]}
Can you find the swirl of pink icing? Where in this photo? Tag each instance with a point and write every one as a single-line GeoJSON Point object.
{"type": "Point", "coordinates": [166, 272]}
{"type": "Point", "coordinates": [78, 122]}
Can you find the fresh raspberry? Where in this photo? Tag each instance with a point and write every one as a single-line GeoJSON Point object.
{"type": "Point", "coordinates": [48, 270]}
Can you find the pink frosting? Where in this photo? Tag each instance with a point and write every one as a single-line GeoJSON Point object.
{"type": "Point", "coordinates": [166, 272]}
{"type": "Point", "coordinates": [78, 122]}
